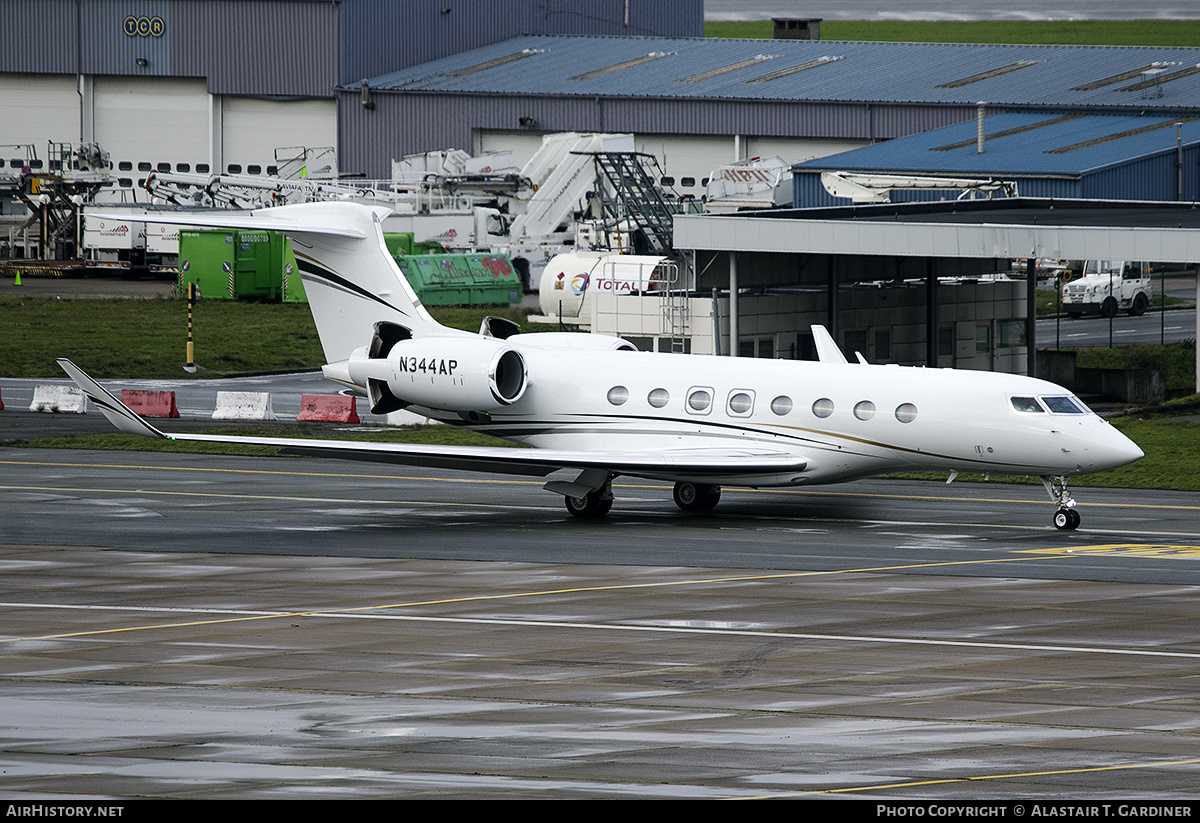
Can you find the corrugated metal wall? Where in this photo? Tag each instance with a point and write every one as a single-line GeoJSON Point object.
{"type": "Point", "coordinates": [39, 37]}
{"type": "Point", "coordinates": [250, 47]}
{"type": "Point", "coordinates": [408, 122]}
{"type": "Point", "coordinates": [258, 47]}
{"type": "Point", "coordinates": [807, 191]}
{"type": "Point", "coordinates": [1147, 178]}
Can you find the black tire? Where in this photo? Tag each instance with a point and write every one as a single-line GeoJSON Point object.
{"type": "Point", "coordinates": [590, 505]}
{"type": "Point", "coordinates": [1140, 303]}
{"type": "Point", "coordinates": [1066, 520]}
{"type": "Point", "coordinates": [696, 497]}
{"type": "Point", "coordinates": [1109, 307]}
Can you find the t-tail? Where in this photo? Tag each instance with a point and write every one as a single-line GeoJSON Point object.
{"type": "Point", "coordinates": [351, 279]}
{"type": "Point", "coordinates": [360, 300]}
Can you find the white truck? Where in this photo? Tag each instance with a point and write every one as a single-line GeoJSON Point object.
{"type": "Point", "coordinates": [1108, 286]}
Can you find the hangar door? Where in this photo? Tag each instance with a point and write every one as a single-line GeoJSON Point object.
{"type": "Point", "coordinates": [151, 120]}
{"type": "Point", "coordinates": [37, 110]}
{"type": "Point", "coordinates": [253, 129]}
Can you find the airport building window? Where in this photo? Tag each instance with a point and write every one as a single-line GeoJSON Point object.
{"type": "Point", "coordinates": [659, 398]}
{"type": "Point", "coordinates": [1010, 334]}
{"type": "Point", "coordinates": [906, 412]}
{"type": "Point", "coordinates": [822, 407]}
{"type": "Point", "coordinates": [699, 400]}
{"type": "Point", "coordinates": [617, 395]}
{"type": "Point", "coordinates": [864, 410]}
{"type": "Point", "coordinates": [741, 403]}
{"type": "Point", "coordinates": [782, 405]}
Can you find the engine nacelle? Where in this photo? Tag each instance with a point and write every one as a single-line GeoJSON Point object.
{"type": "Point", "coordinates": [467, 374]}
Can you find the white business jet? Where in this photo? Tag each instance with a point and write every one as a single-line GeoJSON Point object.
{"type": "Point", "coordinates": [594, 405]}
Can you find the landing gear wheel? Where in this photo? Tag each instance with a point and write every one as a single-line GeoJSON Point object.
{"type": "Point", "coordinates": [1066, 520]}
{"type": "Point", "coordinates": [591, 504]}
{"type": "Point", "coordinates": [696, 497]}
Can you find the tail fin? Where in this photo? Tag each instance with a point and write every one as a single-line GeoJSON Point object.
{"type": "Point", "coordinates": [351, 279]}
{"type": "Point", "coordinates": [352, 283]}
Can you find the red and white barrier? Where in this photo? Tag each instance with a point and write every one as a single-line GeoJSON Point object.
{"type": "Point", "coordinates": [243, 405]}
{"type": "Point", "coordinates": [328, 408]}
{"type": "Point", "coordinates": [58, 399]}
{"type": "Point", "coordinates": [150, 403]}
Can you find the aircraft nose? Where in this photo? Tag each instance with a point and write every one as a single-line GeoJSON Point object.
{"type": "Point", "coordinates": [1108, 448]}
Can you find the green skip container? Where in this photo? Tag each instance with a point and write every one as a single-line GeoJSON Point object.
{"type": "Point", "coordinates": [239, 264]}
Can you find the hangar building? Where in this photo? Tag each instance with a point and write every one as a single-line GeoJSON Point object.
{"type": "Point", "coordinates": [1143, 156]}
{"type": "Point", "coordinates": [224, 85]}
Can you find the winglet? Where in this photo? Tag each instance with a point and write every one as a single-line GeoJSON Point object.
{"type": "Point", "coordinates": [827, 350]}
{"type": "Point", "coordinates": [120, 415]}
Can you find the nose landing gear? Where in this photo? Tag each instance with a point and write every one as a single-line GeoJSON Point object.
{"type": "Point", "coordinates": [1066, 518]}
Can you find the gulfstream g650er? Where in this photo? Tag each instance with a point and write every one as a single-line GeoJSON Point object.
{"type": "Point", "coordinates": [594, 405]}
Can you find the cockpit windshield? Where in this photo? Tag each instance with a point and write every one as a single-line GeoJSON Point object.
{"type": "Point", "coordinates": [1055, 404]}
{"type": "Point", "coordinates": [1028, 405]}
{"type": "Point", "coordinates": [1064, 405]}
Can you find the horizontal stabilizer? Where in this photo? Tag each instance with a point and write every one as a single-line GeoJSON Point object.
{"type": "Point", "coordinates": [306, 218]}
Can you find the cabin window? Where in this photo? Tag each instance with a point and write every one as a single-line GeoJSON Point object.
{"type": "Point", "coordinates": [822, 407]}
{"type": "Point", "coordinates": [1026, 404]}
{"type": "Point", "coordinates": [699, 400]}
{"type": "Point", "coordinates": [864, 410]}
{"type": "Point", "coordinates": [782, 405]}
{"type": "Point", "coordinates": [617, 395]}
{"type": "Point", "coordinates": [740, 403]}
{"type": "Point", "coordinates": [906, 412]}
{"type": "Point", "coordinates": [1062, 405]}
{"type": "Point", "coordinates": [659, 398]}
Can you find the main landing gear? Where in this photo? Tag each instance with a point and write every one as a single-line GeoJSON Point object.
{"type": "Point", "coordinates": [592, 504]}
{"type": "Point", "coordinates": [1066, 518]}
{"type": "Point", "coordinates": [591, 496]}
{"type": "Point", "coordinates": [696, 497]}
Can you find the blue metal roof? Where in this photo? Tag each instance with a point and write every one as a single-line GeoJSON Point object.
{"type": "Point", "coordinates": [915, 73]}
{"type": "Point", "coordinates": [1021, 143]}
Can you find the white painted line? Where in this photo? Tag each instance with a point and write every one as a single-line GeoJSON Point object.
{"type": "Point", "coordinates": [619, 627]}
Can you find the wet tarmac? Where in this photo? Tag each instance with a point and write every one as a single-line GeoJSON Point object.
{"type": "Point", "coordinates": [199, 627]}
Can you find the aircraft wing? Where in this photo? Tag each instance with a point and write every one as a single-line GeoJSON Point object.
{"type": "Point", "coordinates": [500, 460]}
